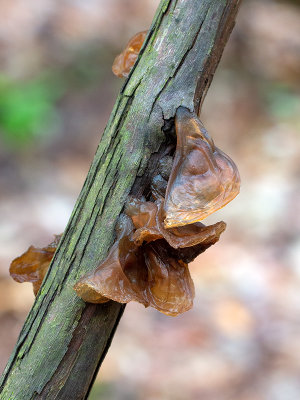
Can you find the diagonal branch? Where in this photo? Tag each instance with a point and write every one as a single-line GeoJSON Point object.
{"type": "Point", "coordinates": [64, 340]}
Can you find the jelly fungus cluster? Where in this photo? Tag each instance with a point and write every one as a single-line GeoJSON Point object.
{"type": "Point", "coordinates": [154, 239]}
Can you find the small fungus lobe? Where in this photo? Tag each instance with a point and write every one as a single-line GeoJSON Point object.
{"type": "Point", "coordinates": [33, 265]}
{"type": "Point", "coordinates": [125, 61]}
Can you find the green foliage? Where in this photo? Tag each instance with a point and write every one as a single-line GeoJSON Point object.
{"type": "Point", "coordinates": [27, 109]}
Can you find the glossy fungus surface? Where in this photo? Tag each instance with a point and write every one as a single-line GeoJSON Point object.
{"type": "Point", "coordinates": [154, 239]}
{"type": "Point", "coordinates": [143, 264]}
{"type": "Point", "coordinates": [124, 62]}
{"type": "Point", "coordinates": [203, 178]}
{"type": "Point", "coordinates": [148, 220]}
{"type": "Point", "coordinates": [33, 264]}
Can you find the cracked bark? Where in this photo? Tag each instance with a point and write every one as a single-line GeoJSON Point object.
{"type": "Point", "coordinates": [64, 340]}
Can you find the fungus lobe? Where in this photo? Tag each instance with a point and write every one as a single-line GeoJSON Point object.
{"type": "Point", "coordinates": [33, 265]}
{"type": "Point", "coordinates": [124, 62]}
{"type": "Point", "coordinates": [203, 178]}
{"type": "Point", "coordinates": [143, 264]}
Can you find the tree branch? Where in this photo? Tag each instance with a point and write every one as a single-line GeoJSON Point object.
{"type": "Point", "coordinates": [64, 340]}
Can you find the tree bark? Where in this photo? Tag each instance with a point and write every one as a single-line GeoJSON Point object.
{"type": "Point", "coordinates": [64, 341]}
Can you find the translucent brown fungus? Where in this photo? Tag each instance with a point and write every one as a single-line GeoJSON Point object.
{"type": "Point", "coordinates": [147, 274]}
{"type": "Point", "coordinates": [170, 288]}
{"type": "Point", "coordinates": [125, 61]}
{"type": "Point", "coordinates": [203, 178]}
{"type": "Point", "coordinates": [148, 219]}
{"type": "Point", "coordinates": [33, 264]}
{"type": "Point", "coordinates": [155, 240]}
{"type": "Point", "coordinates": [143, 265]}
{"type": "Point", "coordinates": [117, 277]}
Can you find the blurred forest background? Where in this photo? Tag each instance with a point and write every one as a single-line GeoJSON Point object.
{"type": "Point", "coordinates": [241, 339]}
